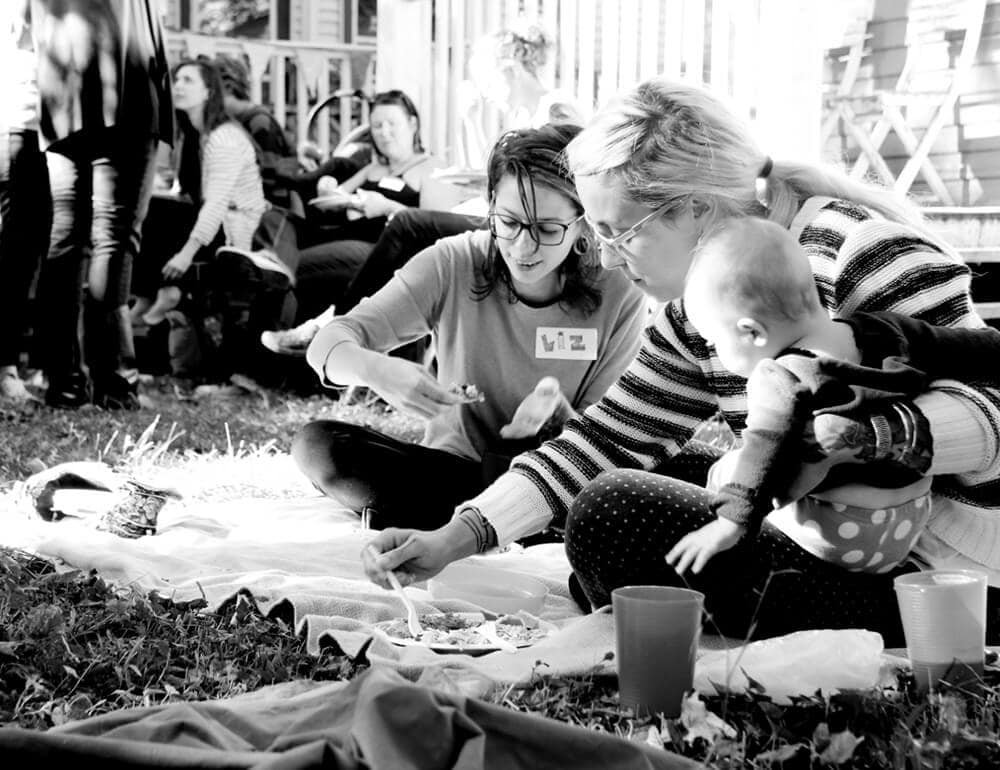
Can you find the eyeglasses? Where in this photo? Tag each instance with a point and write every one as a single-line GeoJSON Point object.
{"type": "Point", "coordinates": [543, 233]}
{"type": "Point", "coordinates": [618, 241]}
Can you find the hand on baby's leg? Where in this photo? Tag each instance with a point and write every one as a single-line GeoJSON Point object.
{"type": "Point", "coordinates": [696, 548]}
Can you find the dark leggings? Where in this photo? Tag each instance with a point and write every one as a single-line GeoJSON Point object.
{"type": "Point", "coordinates": [165, 231]}
{"type": "Point", "coordinates": [623, 523]}
{"type": "Point", "coordinates": [403, 484]}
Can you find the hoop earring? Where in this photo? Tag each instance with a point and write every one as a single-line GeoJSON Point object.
{"type": "Point", "coordinates": [581, 245]}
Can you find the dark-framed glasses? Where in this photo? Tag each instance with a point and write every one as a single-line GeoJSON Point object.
{"type": "Point", "coordinates": [543, 232]}
{"type": "Point", "coordinates": [617, 242]}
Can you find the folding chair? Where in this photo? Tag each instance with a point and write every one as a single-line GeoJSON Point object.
{"type": "Point", "coordinates": [869, 119]}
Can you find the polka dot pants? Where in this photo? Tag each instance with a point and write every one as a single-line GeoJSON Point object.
{"type": "Point", "coordinates": [624, 522]}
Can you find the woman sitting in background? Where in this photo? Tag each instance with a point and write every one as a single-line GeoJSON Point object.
{"type": "Point", "coordinates": [325, 250]}
{"type": "Point", "coordinates": [523, 312]}
{"type": "Point", "coordinates": [220, 195]}
{"type": "Point", "coordinates": [391, 183]}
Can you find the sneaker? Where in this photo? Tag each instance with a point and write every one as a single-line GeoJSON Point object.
{"type": "Point", "coordinates": [293, 342]}
{"type": "Point", "coordinates": [248, 384]}
{"type": "Point", "coordinates": [239, 386]}
{"type": "Point", "coordinates": [264, 260]}
{"type": "Point", "coordinates": [12, 388]}
{"type": "Point", "coordinates": [216, 390]}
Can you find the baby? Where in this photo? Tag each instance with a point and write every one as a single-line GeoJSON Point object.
{"type": "Point", "coordinates": [750, 293]}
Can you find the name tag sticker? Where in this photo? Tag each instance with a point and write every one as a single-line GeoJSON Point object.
{"type": "Point", "coordinates": [393, 183]}
{"type": "Point", "coordinates": [571, 343]}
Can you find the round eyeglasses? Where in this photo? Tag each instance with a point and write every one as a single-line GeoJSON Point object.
{"type": "Point", "coordinates": [543, 233]}
{"type": "Point", "coordinates": [617, 242]}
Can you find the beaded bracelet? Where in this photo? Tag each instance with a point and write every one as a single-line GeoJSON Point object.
{"type": "Point", "coordinates": [482, 530]}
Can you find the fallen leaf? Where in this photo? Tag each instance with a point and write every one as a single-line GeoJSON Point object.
{"type": "Point", "coordinates": [781, 754]}
{"type": "Point", "coordinates": [841, 748]}
{"type": "Point", "coordinates": [702, 723]}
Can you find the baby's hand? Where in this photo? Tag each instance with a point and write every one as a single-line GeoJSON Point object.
{"type": "Point", "coordinates": [540, 408]}
{"type": "Point", "coordinates": [696, 548]}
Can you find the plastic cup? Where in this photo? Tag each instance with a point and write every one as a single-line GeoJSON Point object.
{"type": "Point", "coordinates": [944, 620]}
{"type": "Point", "coordinates": [656, 635]}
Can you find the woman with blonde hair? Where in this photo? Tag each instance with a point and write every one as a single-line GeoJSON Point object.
{"type": "Point", "coordinates": [655, 170]}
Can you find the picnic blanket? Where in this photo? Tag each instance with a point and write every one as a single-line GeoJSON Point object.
{"type": "Point", "coordinates": [378, 721]}
{"type": "Point", "coordinates": [301, 557]}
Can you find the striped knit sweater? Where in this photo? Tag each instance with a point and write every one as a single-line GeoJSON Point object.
{"type": "Point", "coordinates": [862, 262]}
{"type": "Point", "coordinates": [231, 188]}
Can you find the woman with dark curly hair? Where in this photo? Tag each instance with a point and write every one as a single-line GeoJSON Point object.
{"type": "Point", "coordinates": [522, 312]}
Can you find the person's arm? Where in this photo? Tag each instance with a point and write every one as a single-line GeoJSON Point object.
{"type": "Point", "coordinates": [352, 350]}
{"type": "Point", "coordinates": [226, 151]}
{"type": "Point", "coordinates": [960, 353]}
{"type": "Point", "coordinates": [882, 266]}
{"type": "Point", "coordinates": [646, 416]}
{"type": "Point", "coordinates": [474, 145]}
{"type": "Point", "coordinates": [779, 403]}
{"type": "Point", "coordinates": [351, 185]}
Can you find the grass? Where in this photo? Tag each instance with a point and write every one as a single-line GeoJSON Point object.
{"type": "Point", "coordinates": [72, 646]}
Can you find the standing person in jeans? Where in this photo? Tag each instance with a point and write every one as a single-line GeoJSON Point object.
{"type": "Point", "coordinates": [105, 103]}
{"type": "Point", "coordinates": [24, 193]}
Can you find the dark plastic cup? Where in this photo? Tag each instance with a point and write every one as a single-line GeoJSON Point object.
{"type": "Point", "coordinates": [656, 634]}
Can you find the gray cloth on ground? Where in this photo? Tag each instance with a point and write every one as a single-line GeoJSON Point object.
{"type": "Point", "coordinates": [376, 721]}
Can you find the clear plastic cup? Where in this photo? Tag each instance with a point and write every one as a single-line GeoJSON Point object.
{"type": "Point", "coordinates": [944, 620]}
{"type": "Point", "coordinates": [656, 634]}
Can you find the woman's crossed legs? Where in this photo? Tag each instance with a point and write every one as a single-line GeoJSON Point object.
{"type": "Point", "coordinates": [623, 523]}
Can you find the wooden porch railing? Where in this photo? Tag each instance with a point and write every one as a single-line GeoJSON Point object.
{"type": "Point", "coordinates": [318, 70]}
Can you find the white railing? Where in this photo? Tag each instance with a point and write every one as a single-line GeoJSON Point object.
{"type": "Point", "coordinates": [764, 55]}
{"type": "Point", "coordinates": [316, 65]}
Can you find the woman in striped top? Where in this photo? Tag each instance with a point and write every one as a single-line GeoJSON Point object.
{"type": "Point", "coordinates": [654, 170]}
{"type": "Point", "coordinates": [221, 195]}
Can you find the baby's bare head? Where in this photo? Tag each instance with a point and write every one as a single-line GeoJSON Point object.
{"type": "Point", "coordinates": [755, 268]}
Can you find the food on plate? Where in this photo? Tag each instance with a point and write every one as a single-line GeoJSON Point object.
{"type": "Point", "coordinates": [459, 630]}
{"type": "Point", "coordinates": [470, 393]}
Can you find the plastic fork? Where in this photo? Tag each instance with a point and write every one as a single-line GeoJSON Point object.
{"type": "Point", "coordinates": [412, 620]}
{"type": "Point", "coordinates": [489, 630]}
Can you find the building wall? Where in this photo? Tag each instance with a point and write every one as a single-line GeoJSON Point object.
{"type": "Point", "coordinates": [309, 20]}
{"type": "Point", "coordinates": [924, 35]}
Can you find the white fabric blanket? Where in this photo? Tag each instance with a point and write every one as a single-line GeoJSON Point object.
{"type": "Point", "coordinates": [306, 552]}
